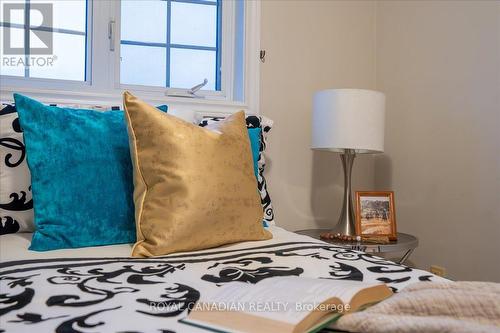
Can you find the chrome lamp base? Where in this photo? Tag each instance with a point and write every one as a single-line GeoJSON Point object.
{"type": "Point", "coordinates": [346, 222]}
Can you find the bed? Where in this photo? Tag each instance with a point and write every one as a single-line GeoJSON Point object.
{"type": "Point", "coordinates": [102, 289]}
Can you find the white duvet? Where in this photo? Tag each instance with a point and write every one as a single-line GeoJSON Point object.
{"type": "Point", "coordinates": [102, 289]}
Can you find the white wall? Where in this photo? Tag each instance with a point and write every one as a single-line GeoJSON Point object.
{"type": "Point", "coordinates": [311, 45]}
{"type": "Point", "coordinates": [439, 65]}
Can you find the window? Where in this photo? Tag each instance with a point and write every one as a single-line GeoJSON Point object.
{"type": "Point", "coordinates": [54, 46]}
{"type": "Point", "coordinates": [92, 50]}
{"type": "Point", "coordinates": [171, 43]}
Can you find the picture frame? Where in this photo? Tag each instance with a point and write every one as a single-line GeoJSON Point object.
{"type": "Point", "coordinates": [375, 214]}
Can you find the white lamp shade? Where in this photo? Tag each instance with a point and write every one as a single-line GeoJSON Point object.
{"type": "Point", "coordinates": [348, 119]}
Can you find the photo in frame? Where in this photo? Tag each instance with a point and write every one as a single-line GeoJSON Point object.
{"type": "Point", "coordinates": [375, 214]}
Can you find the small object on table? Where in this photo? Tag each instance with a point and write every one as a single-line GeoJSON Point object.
{"type": "Point", "coordinates": [375, 214]}
{"type": "Point", "coordinates": [347, 238]}
{"type": "Point", "coordinates": [404, 243]}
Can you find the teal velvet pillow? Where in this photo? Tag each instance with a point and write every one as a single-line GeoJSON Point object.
{"type": "Point", "coordinates": [254, 135]}
{"type": "Point", "coordinates": [81, 175]}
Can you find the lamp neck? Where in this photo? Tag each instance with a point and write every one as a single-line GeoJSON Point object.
{"type": "Point", "coordinates": [347, 213]}
{"type": "Point", "coordinates": [347, 158]}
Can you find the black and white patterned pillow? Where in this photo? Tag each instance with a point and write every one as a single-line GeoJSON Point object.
{"type": "Point", "coordinates": [265, 124]}
{"type": "Point", "coordinates": [16, 203]}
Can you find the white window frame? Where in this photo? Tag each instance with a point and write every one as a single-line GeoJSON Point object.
{"type": "Point", "coordinates": [103, 85]}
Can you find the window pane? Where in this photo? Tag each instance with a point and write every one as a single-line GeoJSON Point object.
{"type": "Point", "coordinates": [194, 24]}
{"type": "Point", "coordinates": [143, 65]}
{"type": "Point", "coordinates": [191, 24]}
{"type": "Point", "coordinates": [190, 67]}
{"type": "Point", "coordinates": [69, 59]}
{"type": "Point", "coordinates": [10, 63]}
{"type": "Point", "coordinates": [144, 21]}
{"type": "Point", "coordinates": [52, 55]}
{"type": "Point", "coordinates": [70, 15]}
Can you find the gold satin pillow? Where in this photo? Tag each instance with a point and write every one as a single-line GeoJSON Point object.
{"type": "Point", "coordinates": [194, 188]}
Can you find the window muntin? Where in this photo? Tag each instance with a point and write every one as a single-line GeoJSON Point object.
{"type": "Point", "coordinates": [66, 60]}
{"type": "Point", "coordinates": [188, 34]}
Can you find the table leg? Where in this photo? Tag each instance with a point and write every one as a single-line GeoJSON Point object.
{"type": "Point", "coordinates": [405, 256]}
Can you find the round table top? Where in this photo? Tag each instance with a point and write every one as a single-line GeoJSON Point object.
{"type": "Point", "coordinates": [404, 242]}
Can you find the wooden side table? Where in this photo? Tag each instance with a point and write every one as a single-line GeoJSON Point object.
{"type": "Point", "coordinates": [405, 242]}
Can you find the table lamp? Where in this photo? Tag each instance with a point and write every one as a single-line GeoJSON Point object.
{"type": "Point", "coordinates": [349, 122]}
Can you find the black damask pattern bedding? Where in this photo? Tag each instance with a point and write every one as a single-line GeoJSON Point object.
{"type": "Point", "coordinates": [151, 295]}
{"type": "Point", "coordinates": [16, 204]}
